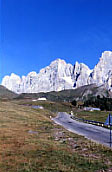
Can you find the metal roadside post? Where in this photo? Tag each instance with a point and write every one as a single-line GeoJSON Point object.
{"type": "Point", "coordinates": [109, 122]}
{"type": "Point", "coordinates": [110, 128]}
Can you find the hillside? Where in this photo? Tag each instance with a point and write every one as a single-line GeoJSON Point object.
{"type": "Point", "coordinates": [81, 93]}
{"type": "Point", "coordinates": [5, 93]}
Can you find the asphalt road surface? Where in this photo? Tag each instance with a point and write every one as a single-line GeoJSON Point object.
{"type": "Point", "coordinates": [92, 132]}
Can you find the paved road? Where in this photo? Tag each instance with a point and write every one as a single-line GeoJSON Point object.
{"type": "Point", "coordinates": [95, 133]}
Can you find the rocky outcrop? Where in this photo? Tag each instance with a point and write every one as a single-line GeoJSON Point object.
{"type": "Point", "coordinates": [60, 76]}
{"type": "Point", "coordinates": [81, 73]}
{"type": "Point", "coordinates": [102, 73]}
{"type": "Point", "coordinates": [12, 82]}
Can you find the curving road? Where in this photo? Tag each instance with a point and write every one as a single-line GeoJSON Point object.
{"type": "Point", "coordinates": [92, 132]}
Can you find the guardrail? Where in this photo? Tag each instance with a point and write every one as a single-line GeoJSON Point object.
{"type": "Point", "coordinates": [91, 122]}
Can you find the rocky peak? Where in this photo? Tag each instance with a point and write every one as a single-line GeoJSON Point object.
{"type": "Point", "coordinates": [80, 67]}
{"type": "Point", "coordinates": [106, 55]}
{"type": "Point", "coordinates": [80, 75]}
{"type": "Point", "coordinates": [32, 74]}
{"type": "Point", "coordinates": [12, 82]}
{"type": "Point", "coordinates": [105, 61]}
{"type": "Point", "coordinates": [58, 62]}
{"type": "Point", "coordinates": [103, 69]}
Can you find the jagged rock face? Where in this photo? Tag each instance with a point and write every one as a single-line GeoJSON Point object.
{"type": "Point", "coordinates": [59, 76]}
{"type": "Point", "coordinates": [55, 77]}
{"type": "Point", "coordinates": [12, 82]}
{"type": "Point", "coordinates": [81, 74]}
{"type": "Point", "coordinates": [102, 73]}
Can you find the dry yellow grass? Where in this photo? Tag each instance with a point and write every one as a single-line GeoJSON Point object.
{"type": "Point", "coordinates": [30, 142]}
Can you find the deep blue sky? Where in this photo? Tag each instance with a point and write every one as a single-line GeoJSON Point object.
{"type": "Point", "coordinates": [36, 32]}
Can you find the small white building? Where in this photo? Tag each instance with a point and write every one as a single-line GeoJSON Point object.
{"type": "Point", "coordinates": [42, 99]}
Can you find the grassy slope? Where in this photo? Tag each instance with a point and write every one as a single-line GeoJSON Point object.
{"type": "Point", "coordinates": [68, 107]}
{"type": "Point", "coordinates": [49, 105]}
{"type": "Point", "coordinates": [31, 142]}
{"type": "Point", "coordinates": [95, 115]}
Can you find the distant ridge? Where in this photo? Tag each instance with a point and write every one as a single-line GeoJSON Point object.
{"type": "Point", "coordinates": [5, 93]}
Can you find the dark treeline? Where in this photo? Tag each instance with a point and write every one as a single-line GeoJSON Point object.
{"type": "Point", "coordinates": [102, 103]}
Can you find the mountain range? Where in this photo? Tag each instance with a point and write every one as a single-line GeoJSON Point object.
{"type": "Point", "coordinates": [61, 76]}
